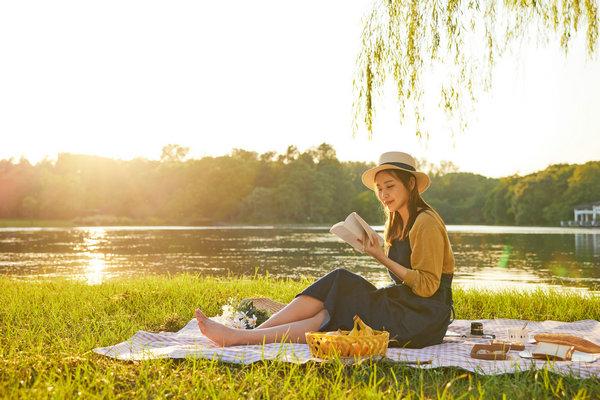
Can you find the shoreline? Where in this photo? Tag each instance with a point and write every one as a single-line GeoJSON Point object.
{"type": "Point", "coordinates": [468, 228]}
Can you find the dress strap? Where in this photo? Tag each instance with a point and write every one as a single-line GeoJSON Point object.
{"type": "Point", "coordinates": [446, 281]}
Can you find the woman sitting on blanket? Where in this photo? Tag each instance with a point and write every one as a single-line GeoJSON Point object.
{"type": "Point", "coordinates": [416, 310]}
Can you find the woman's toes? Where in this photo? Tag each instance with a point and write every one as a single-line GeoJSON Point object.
{"type": "Point", "coordinates": [201, 318]}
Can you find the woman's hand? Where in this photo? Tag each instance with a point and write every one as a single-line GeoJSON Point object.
{"type": "Point", "coordinates": [371, 246]}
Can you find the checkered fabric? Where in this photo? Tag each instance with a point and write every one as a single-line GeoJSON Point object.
{"type": "Point", "coordinates": [454, 352]}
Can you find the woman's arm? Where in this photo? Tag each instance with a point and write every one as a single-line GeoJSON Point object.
{"type": "Point", "coordinates": [428, 245]}
{"type": "Point", "coordinates": [427, 242]}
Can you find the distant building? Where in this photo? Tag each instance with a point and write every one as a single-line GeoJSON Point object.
{"type": "Point", "coordinates": [587, 214]}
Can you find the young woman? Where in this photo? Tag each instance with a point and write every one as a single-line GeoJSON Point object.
{"type": "Point", "coordinates": [416, 310]}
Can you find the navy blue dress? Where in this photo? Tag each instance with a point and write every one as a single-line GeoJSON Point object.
{"type": "Point", "coordinates": [412, 321]}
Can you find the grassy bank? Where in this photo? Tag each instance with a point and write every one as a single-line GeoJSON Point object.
{"type": "Point", "coordinates": [47, 329]}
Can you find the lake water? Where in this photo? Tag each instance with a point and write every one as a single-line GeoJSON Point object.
{"type": "Point", "coordinates": [486, 256]}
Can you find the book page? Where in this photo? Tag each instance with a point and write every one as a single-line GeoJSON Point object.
{"type": "Point", "coordinates": [367, 228]}
{"type": "Point", "coordinates": [352, 229]}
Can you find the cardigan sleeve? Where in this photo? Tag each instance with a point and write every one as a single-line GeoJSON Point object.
{"type": "Point", "coordinates": [427, 242]}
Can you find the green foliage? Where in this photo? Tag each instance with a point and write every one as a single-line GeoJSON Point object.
{"type": "Point", "coordinates": [369, 208]}
{"type": "Point", "coordinates": [248, 308]}
{"type": "Point", "coordinates": [545, 197]}
{"type": "Point", "coordinates": [174, 153]}
{"type": "Point", "coordinates": [497, 208]}
{"type": "Point", "coordinates": [535, 193]}
{"type": "Point", "coordinates": [452, 46]}
{"type": "Point", "coordinates": [584, 183]}
{"type": "Point", "coordinates": [310, 187]}
{"type": "Point", "coordinates": [459, 197]}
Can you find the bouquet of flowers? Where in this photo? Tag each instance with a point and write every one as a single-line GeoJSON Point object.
{"type": "Point", "coordinates": [242, 315]}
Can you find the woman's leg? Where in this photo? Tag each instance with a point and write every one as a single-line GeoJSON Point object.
{"type": "Point", "coordinates": [302, 307]}
{"type": "Point", "coordinates": [225, 336]}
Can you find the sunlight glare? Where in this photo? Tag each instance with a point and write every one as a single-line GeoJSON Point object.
{"type": "Point", "coordinates": [94, 273]}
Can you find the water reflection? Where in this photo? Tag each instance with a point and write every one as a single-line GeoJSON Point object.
{"type": "Point", "coordinates": [492, 258]}
{"type": "Point", "coordinates": [587, 244]}
{"type": "Point", "coordinates": [526, 258]}
{"type": "Point", "coordinates": [93, 259]}
{"type": "Point", "coordinates": [94, 273]}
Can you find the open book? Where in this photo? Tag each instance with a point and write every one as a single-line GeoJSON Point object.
{"type": "Point", "coordinates": [352, 229]}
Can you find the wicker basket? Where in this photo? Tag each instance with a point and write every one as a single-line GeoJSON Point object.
{"type": "Point", "coordinates": [266, 304]}
{"type": "Point", "coordinates": [347, 344]}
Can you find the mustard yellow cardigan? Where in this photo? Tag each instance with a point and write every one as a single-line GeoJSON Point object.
{"type": "Point", "coordinates": [431, 254]}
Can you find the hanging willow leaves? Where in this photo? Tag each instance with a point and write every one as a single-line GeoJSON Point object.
{"type": "Point", "coordinates": [403, 41]}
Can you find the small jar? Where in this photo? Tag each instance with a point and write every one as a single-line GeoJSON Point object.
{"type": "Point", "coordinates": [476, 328]}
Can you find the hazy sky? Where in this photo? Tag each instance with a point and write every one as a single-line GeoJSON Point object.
{"type": "Point", "coordinates": [124, 78]}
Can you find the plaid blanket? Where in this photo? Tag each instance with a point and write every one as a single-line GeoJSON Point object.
{"type": "Point", "coordinates": [454, 352]}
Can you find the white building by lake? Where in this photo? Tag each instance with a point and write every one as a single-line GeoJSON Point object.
{"type": "Point", "coordinates": [587, 214]}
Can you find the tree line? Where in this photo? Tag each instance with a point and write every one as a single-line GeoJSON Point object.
{"type": "Point", "coordinates": [310, 187]}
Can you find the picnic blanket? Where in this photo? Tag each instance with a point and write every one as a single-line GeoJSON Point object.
{"type": "Point", "coordinates": [454, 352]}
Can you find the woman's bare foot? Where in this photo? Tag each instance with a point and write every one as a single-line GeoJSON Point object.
{"type": "Point", "coordinates": [218, 333]}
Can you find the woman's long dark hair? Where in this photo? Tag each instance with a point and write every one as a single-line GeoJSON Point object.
{"type": "Point", "coordinates": [394, 225]}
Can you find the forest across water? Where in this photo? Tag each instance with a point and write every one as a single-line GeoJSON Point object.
{"type": "Point", "coordinates": [244, 187]}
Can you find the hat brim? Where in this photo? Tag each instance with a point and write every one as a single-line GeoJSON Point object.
{"type": "Point", "coordinates": [368, 178]}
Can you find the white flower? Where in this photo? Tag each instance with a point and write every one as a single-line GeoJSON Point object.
{"type": "Point", "coordinates": [253, 321]}
{"type": "Point", "coordinates": [231, 317]}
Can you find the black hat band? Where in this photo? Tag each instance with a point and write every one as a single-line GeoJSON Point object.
{"type": "Point", "coordinates": [401, 165]}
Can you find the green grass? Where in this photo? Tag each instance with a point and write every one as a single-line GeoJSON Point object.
{"type": "Point", "coordinates": [48, 327]}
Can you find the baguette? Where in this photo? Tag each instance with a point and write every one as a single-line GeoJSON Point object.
{"type": "Point", "coordinates": [580, 344]}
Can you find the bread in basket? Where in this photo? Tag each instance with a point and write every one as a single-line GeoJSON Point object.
{"type": "Point", "coordinates": [360, 341]}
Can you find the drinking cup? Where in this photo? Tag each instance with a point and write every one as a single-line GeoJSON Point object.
{"type": "Point", "coordinates": [517, 335]}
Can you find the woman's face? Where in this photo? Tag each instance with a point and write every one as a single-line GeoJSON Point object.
{"type": "Point", "coordinates": [391, 191]}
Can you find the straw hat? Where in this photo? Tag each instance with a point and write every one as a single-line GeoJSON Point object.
{"type": "Point", "coordinates": [396, 160]}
